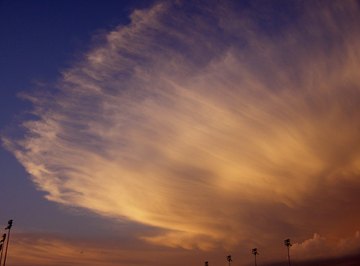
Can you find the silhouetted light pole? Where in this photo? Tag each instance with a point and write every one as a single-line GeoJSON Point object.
{"type": "Point", "coordinates": [255, 253]}
{"type": "Point", "coordinates": [2, 241]}
{"type": "Point", "coordinates": [10, 222]}
{"type": "Point", "coordinates": [288, 244]}
{"type": "Point", "coordinates": [229, 259]}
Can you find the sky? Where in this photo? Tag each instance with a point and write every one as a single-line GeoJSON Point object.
{"type": "Point", "coordinates": [179, 132]}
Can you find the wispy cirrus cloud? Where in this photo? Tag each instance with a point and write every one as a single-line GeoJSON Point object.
{"type": "Point", "coordinates": [217, 125]}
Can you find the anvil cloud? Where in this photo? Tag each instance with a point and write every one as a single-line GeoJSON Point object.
{"type": "Point", "coordinates": [218, 125]}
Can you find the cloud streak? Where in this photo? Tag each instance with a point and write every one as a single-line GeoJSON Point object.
{"type": "Point", "coordinates": [41, 249]}
{"type": "Point", "coordinates": [217, 126]}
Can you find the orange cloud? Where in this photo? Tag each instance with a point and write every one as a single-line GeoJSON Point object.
{"type": "Point", "coordinates": [214, 144]}
{"type": "Point", "coordinates": [323, 247]}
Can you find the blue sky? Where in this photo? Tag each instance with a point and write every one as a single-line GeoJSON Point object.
{"type": "Point", "coordinates": [39, 40]}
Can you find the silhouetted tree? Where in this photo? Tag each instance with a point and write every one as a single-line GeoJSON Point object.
{"type": "Point", "coordinates": [288, 244]}
{"type": "Point", "coordinates": [206, 263]}
{"type": "Point", "coordinates": [229, 259]}
{"type": "Point", "coordinates": [255, 252]}
{"type": "Point", "coordinates": [10, 222]}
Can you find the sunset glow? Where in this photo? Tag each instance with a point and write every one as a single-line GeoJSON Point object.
{"type": "Point", "coordinates": [216, 127]}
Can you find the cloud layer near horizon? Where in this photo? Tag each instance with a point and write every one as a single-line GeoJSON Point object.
{"type": "Point", "coordinates": [216, 125]}
{"type": "Point", "coordinates": [47, 249]}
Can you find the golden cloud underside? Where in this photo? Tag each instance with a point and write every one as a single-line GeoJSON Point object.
{"type": "Point", "coordinates": [214, 142]}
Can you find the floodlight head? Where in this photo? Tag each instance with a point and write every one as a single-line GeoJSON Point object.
{"type": "Point", "coordinates": [287, 242]}
{"type": "Point", "coordinates": [10, 223]}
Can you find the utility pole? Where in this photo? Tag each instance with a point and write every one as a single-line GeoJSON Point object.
{"type": "Point", "coordinates": [288, 244]}
{"type": "Point", "coordinates": [2, 242]}
{"type": "Point", "coordinates": [10, 222]}
{"type": "Point", "coordinates": [229, 259]}
{"type": "Point", "coordinates": [255, 253]}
